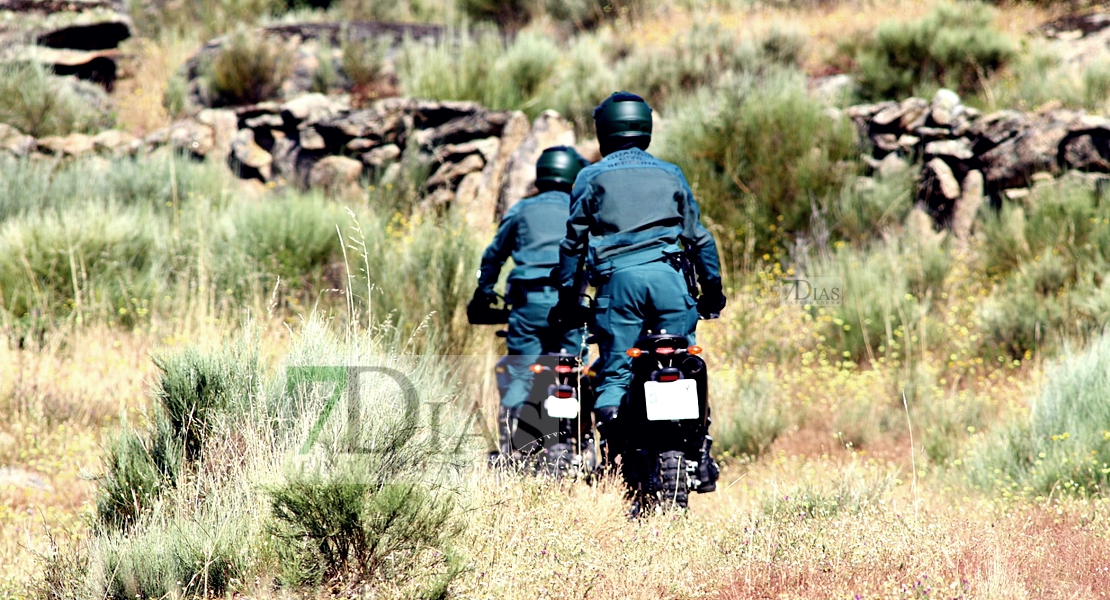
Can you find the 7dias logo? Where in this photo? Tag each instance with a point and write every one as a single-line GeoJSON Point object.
{"type": "Point", "coordinates": [813, 291]}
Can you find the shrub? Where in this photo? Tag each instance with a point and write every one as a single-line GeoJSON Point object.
{"type": "Point", "coordinates": [508, 14]}
{"type": "Point", "coordinates": [1049, 257]}
{"type": "Point", "coordinates": [351, 531]}
{"type": "Point", "coordinates": [859, 212]}
{"type": "Point", "coordinates": [706, 55]}
{"type": "Point", "coordinates": [761, 156]}
{"type": "Point", "coordinates": [246, 70]}
{"type": "Point", "coordinates": [956, 46]}
{"type": "Point", "coordinates": [1064, 446]}
{"type": "Point", "coordinates": [422, 11]}
{"type": "Point", "coordinates": [136, 471]}
{"type": "Point", "coordinates": [39, 104]}
{"type": "Point", "coordinates": [481, 69]}
{"type": "Point", "coordinates": [750, 420]}
{"type": "Point", "coordinates": [363, 64]}
{"type": "Point", "coordinates": [589, 14]}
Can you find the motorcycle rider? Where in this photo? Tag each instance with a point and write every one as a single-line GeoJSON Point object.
{"type": "Point", "coordinates": [530, 233]}
{"type": "Point", "coordinates": [629, 214]}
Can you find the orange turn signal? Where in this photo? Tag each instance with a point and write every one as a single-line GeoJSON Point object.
{"type": "Point", "coordinates": [695, 350]}
{"type": "Point", "coordinates": [536, 368]}
{"type": "Point", "coordinates": [634, 352]}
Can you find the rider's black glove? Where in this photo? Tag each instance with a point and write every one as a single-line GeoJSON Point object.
{"type": "Point", "coordinates": [568, 313]}
{"type": "Point", "coordinates": [480, 311]}
{"type": "Point", "coordinates": [712, 299]}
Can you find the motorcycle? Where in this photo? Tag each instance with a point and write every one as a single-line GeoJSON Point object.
{"type": "Point", "coordinates": [555, 431]}
{"type": "Point", "coordinates": [662, 433]}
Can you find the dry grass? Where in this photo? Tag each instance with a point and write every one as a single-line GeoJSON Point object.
{"type": "Point", "coordinates": [146, 72]}
{"type": "Point", "coordinates": [825, 24]}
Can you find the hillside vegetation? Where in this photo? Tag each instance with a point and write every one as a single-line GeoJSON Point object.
{"type": "Point", "coordinates": [172, 332]}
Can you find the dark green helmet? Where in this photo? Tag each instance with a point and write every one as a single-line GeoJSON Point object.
{"type": "Point", "coordinates": [623, 120]}
{"type": "Point", "coordinates": [557, 167]}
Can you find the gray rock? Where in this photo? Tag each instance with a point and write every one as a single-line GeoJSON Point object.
{"type": "Point", "coordinates": [450, 173]}
{"type": "Point", "coordinates": [249, 157]}
{"type": "Point", "coordinates": [382, 155]}
{"type": "Point", "coordinates": [959, 149]}
{"type": "Point", "coordinates": [14, 141]}
{"type": "Point", "coordinates": [192, 136]}
{"type": "Point", "coordinates": [335, 173]}
{"type": "Point", "coordinates": [963, 216]}
{"type": "Point", "coordinates": [887, 142]}
{"type": "Point", "coordinates": [938, 177]}
{"type": "Point", "coordinates": [914, 113]}
{"type": "Point", "coordinates": [112, 141]}
{"type": "Point", "coordinates": [312, 108]}
{"type": "Point", "coordinates": [224, 124]}
{"type": "Point", "coordinates": [74, 144]}
{"type": "Point", "coordinates": [312, 140]}
{"type": "Point", "coordinates": [361, 145]}
{"type": "Point", "coordinates": [487, 148]}
{"type": "Point", "coordinates": [892, 165]}
{"type": "Point", "coordinates": [998, 127]}
{"type": "Point", "coordinates": [263, 121]}
{"type": "Point", "coordinates": [549, 129]}
{"type": "Point", "coordinates": [1013, 162]}
{"type": "Point", "coordinates": [1083, 152]}
{"type": "Point", "coordinates": [907, 142]}
{"type": "Point", "coordinates": [944, 105]}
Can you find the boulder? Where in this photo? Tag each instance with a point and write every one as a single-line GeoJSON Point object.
{"type": "Point", "coordinates": [963, 216]}
{"type": "Point", "coordinates": [944, 107]}
{"type": "Point", "coordinates": [74, 144]}
{"type": "Point", "coordinates": [312, 108]}
{"type": "Point", "coordinates": [382, 155]}
{"type": "Point", "coordinates": [1086, 153]}
{"type": "Point", "coordinates": [549, 129]}
{"type": "Point", "coordinates": [892, 165]}
{"type": "Point", "coordinates": [14, 141]}
{"type": "Point", "coordinates": [112, 141]}
{"type": "Point", "coordinates": [938, 177]}
{"type": "Point", "coordinates": [486, 204]}
{"type": "Point", "coordinates": [1013, 162]}
{"type": "Point", "coordinates": [335, 174]}
{"type": "Point", "coordinates": [959, 149]}
{"type": "Point", "coordinates": [193, 137]}
{"type": "Point", "coordinates": [449, 173]}
{"type": "Point", "coordinates": [224, 125]}
{"type": "Point", "coordinates": [248, 159]}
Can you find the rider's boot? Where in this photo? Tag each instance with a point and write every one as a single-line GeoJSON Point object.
{"type": "Point", "coordinates": [507, 420]}
{"type": "Point", "coordinates": [609, 443]}
{"type": "Point", "coordinates": [708, 470]}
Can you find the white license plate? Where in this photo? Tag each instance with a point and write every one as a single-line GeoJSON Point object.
{"type": "Point", "coordinates": [561, 408]}
{"type": "Point", "coordinates": [671, 400]}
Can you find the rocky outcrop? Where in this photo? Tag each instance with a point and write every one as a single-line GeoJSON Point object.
{"type": "Point", "coordinates": [966, 155]}
{"type": "Point", "coordinates": [74, 37]}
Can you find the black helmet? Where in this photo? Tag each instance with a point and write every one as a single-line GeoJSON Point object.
{"type": "Point", "coordinates": [622, 120]}
{"type": "Point", "coordinates": [557, 167]}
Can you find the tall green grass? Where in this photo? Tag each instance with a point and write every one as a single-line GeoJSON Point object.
{"type": "Point", "coordinates": [119, 244]}
{"type": "Point", "coordinates": [1063, 446]}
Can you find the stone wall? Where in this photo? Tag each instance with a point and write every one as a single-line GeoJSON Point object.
{"type": "Point", "coordinates": [966, 156]}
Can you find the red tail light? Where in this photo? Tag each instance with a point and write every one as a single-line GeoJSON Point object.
{"type": "Point", "coordinates": [665, 377]}
{"type": "Point", "coordinates": [563, 368]}
{"type": "Point", "coordinates": [664, 350]}
{"type": "Point", "coordinates": [564, 393]}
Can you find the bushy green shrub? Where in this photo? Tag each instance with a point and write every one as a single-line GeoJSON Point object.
{"type": "Point", "coordinates": [39, 104]}
{"type": "Point", "coordinates": [246, 69]}
{"type": "Point", "coordinates": [762, 157]}
{"type": "Point", "coordinates": [956, 46]}
{"type": "Point", "coordinates": [1050, 257]}
{"type": "Point", "coordinates": [859, 212]}
{"type": "Point", "coordinates": [1064, 445]}
{"type": "Point", "coordinates": [748, 419]}
{"type": "Point", "coordinates": [137, 469]}
{"type": "Point", "coordinates": [363, 63]}
{"type": "Point", "coordinates": [351, 531]}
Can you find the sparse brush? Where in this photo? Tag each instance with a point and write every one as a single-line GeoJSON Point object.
{"type": "Point", "coordinates": [247, 69]}
{"type": "Point", "coordinates": [748, 419]}
{"type": "Point", "coordinates": [203, 18]}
